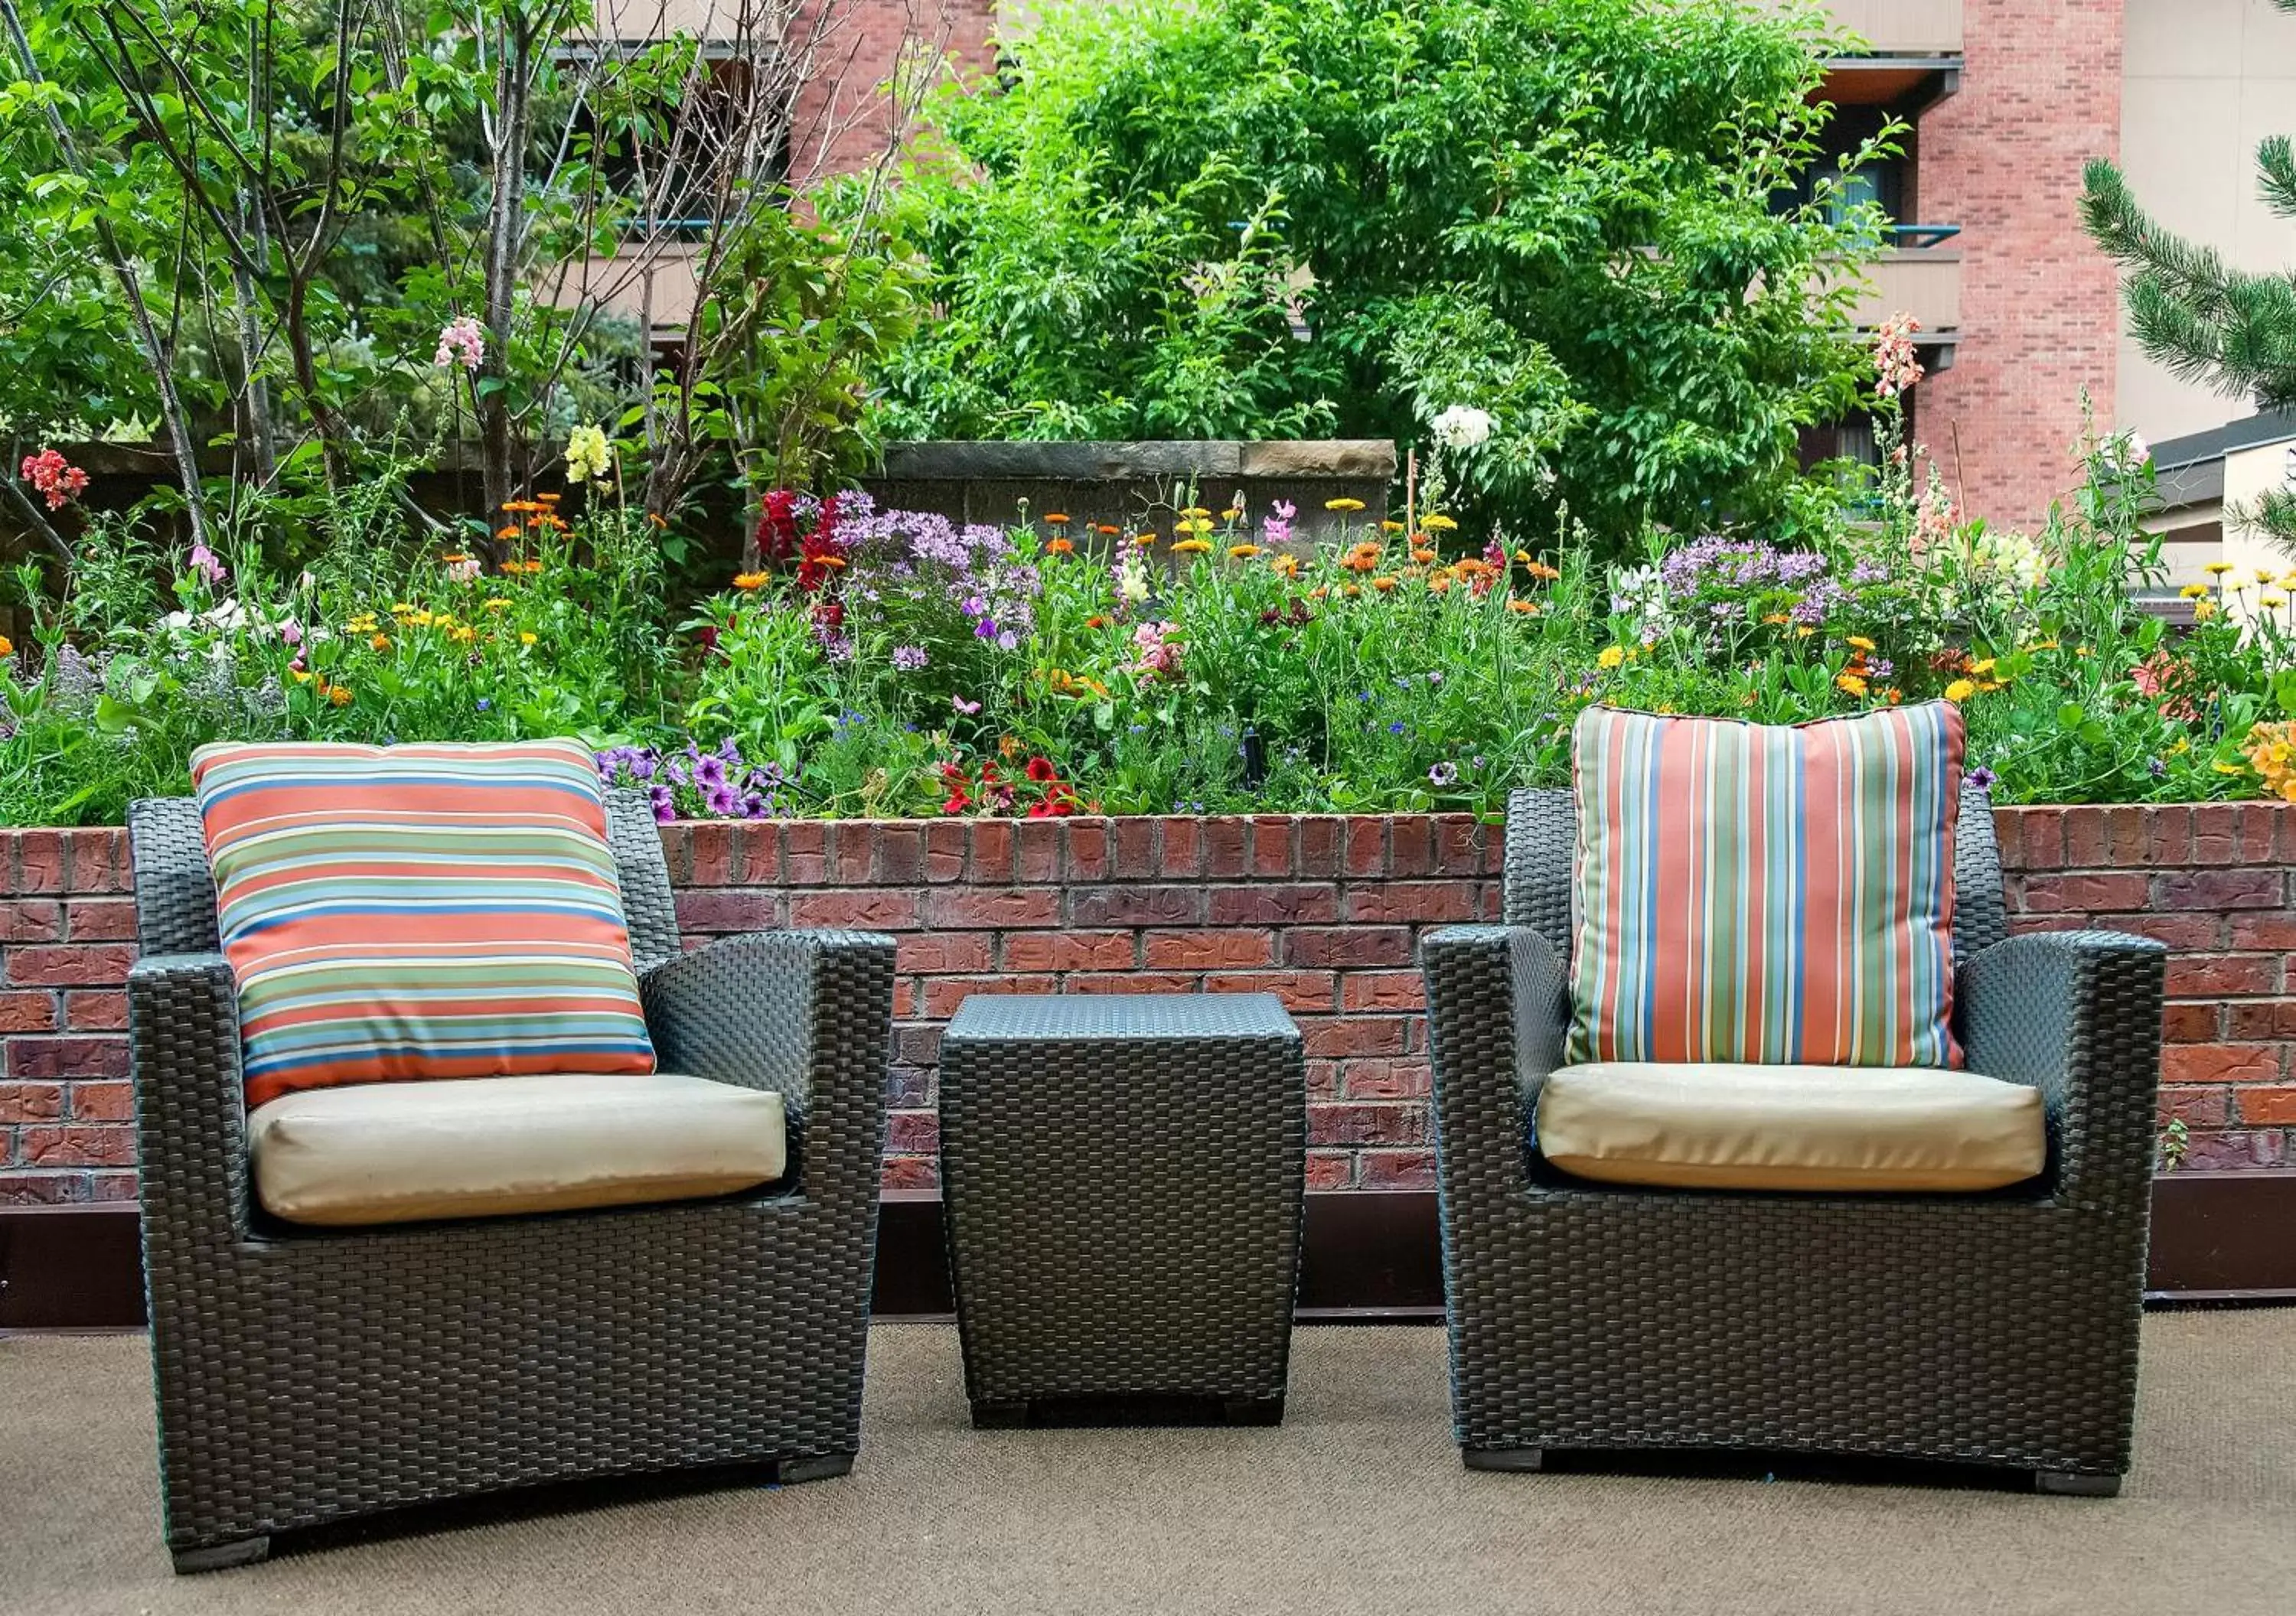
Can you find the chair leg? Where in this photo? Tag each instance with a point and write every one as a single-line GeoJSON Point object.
{"type": "Point", "coordinates": [814, 1467]}
{"type": "Point", "coordinates": [2076, 1484]}
{"type": "Point", "coordinates": [1253, 1410]}
{"type": "Point", "coordinates": [222, 1556]}
{"type": "Point", "coordinates": [1504, 1458]}
{"type": "Point", "coordinates": [989, 1416]}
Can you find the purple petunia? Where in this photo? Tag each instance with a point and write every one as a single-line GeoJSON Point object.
{"type": "Point", "coordinates": [1443, 774]}
{"type": "Point", "coordinates": [665, 806]}
{"type": "Point", "coordinates": [1980, 777]}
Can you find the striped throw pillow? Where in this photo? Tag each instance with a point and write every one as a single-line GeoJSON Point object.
{"type": "Point", "coordinates": [1754, 893]}
{"type": "Point", "coordinates": [426, 911]}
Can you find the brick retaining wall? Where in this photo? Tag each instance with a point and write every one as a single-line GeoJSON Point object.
{"type": "Point", "coordinates": [1322, 910]}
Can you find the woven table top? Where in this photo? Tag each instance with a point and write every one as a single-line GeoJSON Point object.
{"type": "Point", "coordinates": [1008, 1016]}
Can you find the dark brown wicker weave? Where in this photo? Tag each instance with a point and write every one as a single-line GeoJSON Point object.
{"type": "Point", "coordinates": [1996, 1329]}
{"type": "Point", "coordinates": [1124, 1177]}
{"type": "Point", "coordinates": [305, 1375]}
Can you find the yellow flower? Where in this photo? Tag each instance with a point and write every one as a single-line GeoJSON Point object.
{"type": "Point", "coordinates": [2216, 569]}
{"type": "Point", "coordinates": [1438, 524]}
{"type": "Point", "coordinates": [1243, 552]}
{"type": "Point", "coordinates": [2228, 768]}
{"type": "Point", "coordinates": [1192, 511]}
{"type": "Point", "coordinates": [1144, 540]}
{"type": "Point", "coordinates": [1383, 584]}
{"type": "Point", "coordinates": [2272, 603]}
{"type": "Point", "coordinates": [747, 581]}
{"type": "Point", "coordinates": [497, 603]}
{"type": "Point", "coordinates": [1523, 557]}
{"type": "Point", "coordinates": [2202, 610]}
{"type": "Point", "coordinates": [340, 695]}
{"type": "Point", "coordinates": [7, 646]}
{"type": "Point", "coordinates": [1285, 566]}
{"type": "Point", "coordinates": [1197, 525]}
{"type": "Point", "coordinates": [1190, 546]}
{"type": "Point", "coordinates": [301, 676]}
{"type": "Point", "coordinates": [526, 637]}
{"type": "Point", "coordinates": [1851, 683]}
{"type": "Point", "coordinates": [1804, 631]}
{"type": "Point", "coordinates": [1390, 527]}
{"type": "Point", "coordinates": [1231, 513]}
{"type": "Point", "coordinates": [464, 636]}
{"type": "Point", "coordinates": [1858, 642]}
{"type": "Point", "coordinates": [1983, 665]}
{"type": "Point", "coordinates": [1344, 504]}
{"type": "Point", "coordinates": [1960, 690]}
{"type": "Point", "coordinates": [400, 608]}
{"type": "Point", "coordinates": [588, 455]}
{"type": "Point", "coordinates": [1611, 657]}
{"type": "Point", "coordinates": [2264, 574]}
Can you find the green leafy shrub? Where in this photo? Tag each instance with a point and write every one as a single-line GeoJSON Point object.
{"type": "Point", "coordinates": [1271, 218]}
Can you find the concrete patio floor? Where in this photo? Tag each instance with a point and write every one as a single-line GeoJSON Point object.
{"type": "Point", "coordinates": [1358, 1502]}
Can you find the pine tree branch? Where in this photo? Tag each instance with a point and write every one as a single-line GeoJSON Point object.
{"type": "Point", "coordinates": [2276, 165]}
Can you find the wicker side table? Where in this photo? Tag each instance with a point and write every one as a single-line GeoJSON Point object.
{"type": "Point", "coordinates": [1124, 1177]}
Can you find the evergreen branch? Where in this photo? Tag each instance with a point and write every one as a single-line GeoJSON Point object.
{"type": "Point", "coordinates": [2275, 164]}
{"type": "Point", "coordinates": [2273, 517]}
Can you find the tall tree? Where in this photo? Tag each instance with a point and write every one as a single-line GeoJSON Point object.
{"type": "Point", "coordinates": [2205, 320]}
{"type": "Point", "coordinates": [1583, 218]}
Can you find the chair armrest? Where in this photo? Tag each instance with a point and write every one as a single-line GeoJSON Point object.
{"type": "Point", "coordinates": [1498, 1005]}
{"type": "Point", "coordinates": [807, 1014]}
{"type": "Point", "coordinates": [2076, 1014]}
{"type": "Point", "coordinates": [191, 1104]}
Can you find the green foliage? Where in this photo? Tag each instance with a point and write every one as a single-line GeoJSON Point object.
{"type": "Point", "coordinates": [1276, 218]}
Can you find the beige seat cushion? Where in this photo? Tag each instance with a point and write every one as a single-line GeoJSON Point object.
{"type": "Point", "coordinates": [1832, 1128]}
{"type": "Point", "coordinates": [392, 1153]}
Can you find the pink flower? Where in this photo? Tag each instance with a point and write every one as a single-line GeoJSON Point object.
{"type": "Point", "coordinates": [53, 478]}
{"type": "Point", "coordinates": [464, 570]}
{"type": "Point", "coordinates": [291, 631]}
{"type": "Point", "coordinates": [461, 341]}
{"type": "Point", "coordinates": [1158, 655]}
{"type": "Point", "coordinates": [1895, 366]}
{"type": "Point", "coordinates": [204, 563]}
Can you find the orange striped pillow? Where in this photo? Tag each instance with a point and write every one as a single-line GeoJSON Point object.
{"type": "Point", "coordinates": [1748, 892]}
{"type": "Point", "coordinates": [422, 912]}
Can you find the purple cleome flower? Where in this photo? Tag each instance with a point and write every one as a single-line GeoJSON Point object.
{"type": "Point", "coordinates": [909, 658]}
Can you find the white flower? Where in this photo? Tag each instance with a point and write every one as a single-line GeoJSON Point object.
{"type": "Point", "coordinates": [1463, 427]}
{"type": "Point", "coordinates": [2125, 453]}
{"type": "Point", "coordinates": [1132, 579]}
{"type": "Point", "coordinates": [2014, 555]}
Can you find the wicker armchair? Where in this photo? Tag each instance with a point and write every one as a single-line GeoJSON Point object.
{"type": "Point", "coordinates": [307, 1375]}
{"type": "Point", "coordinates": [1995, 1329]}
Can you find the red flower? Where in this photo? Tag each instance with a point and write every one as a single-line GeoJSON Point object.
{"type": "Point", "coordinates": [777, 537]}
{"type": "Point", "coordinates": [1041, 769]}
{"type": "Point", "coordinates": [958, 802]}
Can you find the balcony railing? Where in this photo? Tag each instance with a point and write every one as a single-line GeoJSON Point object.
{"type": "Point", "coordinates": [1915, 276]}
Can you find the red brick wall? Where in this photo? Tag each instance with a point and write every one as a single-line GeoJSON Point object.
{"type": "Point", "coordinates": [2041, 94]}
{"type": "Point", "coordinates": [843, 118]}
{"type": "Point", "coordinates": [1322, 910]}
